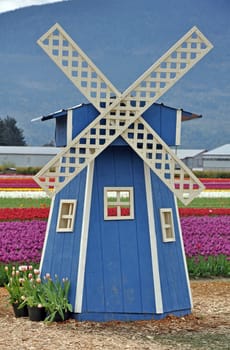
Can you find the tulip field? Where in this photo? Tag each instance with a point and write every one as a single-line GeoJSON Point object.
{"type": "Point", "coordinates": [205, 224]}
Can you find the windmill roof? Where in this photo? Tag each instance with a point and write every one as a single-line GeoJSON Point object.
{"type": "Point", "coordinates": [56, 114]}
{"type": "Point", "coordinates": [62, 112]}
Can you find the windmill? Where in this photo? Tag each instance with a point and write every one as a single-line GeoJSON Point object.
{"type": "Point", "coordinates": [88, 199]}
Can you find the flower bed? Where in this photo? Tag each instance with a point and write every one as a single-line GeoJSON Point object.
{"type": "Point", "coordinates": [203, 235]}
{"type": "Point", "coordinates": [23, 194]}
{"type": "Point", "coordinates": [221, 184]}
{"type": "Point", "coordinates": [210, 184]}
{"type": "Point", "coordinates": [19, 181]}
{"type": "Point", "coordinates": [203, 211]}
{"type": "Point", "coordinates": [12, 214]}
{"type": "Point", "coordinates": [206, 235]}
{"type": "Point", "coordinates": [21, 241]}
{"type": "Point", "coordinates": [206, 231]}
{"type": "Point", "coordinates": [12, 182]}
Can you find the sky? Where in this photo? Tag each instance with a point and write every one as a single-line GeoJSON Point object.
{"type": "Point", "coordinates": [123, 38]}
{"type": "Point", "coordinates": [10, 5]}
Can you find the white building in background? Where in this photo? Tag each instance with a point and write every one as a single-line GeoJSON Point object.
{"type": "Point", "coordinates": [24, 156]}
{"type": "Point", "coordinates": [193, 158]}
{"type": "Point", "coordinates": [217, 159]}
{"type": "Point", "coordinates": [196, 159]}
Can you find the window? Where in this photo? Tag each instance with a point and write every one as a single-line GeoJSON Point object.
{"type": "Point", "coordinates": [66, 215]}
{"type": "Point", "coordinates": [167, 225]}
{"type": "Point", "coordinates": [118, 203]}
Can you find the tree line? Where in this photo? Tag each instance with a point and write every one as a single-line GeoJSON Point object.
{"type": "Point", "coordinates": [10, 133]}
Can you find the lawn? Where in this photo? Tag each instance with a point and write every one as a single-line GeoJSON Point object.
{"type": "Point", "coordinates": [24, 202]}
{"type": "Point", "coordinates": [45, 202]}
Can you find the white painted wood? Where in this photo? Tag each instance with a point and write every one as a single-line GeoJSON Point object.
{"type": "Point", "coordinates": [77, 66]}
{"type": "Point", "coordinates": [183, 252]}
{"type": "Point", "coordinates": [118, 203]}
{"type": "Point", "coordinates": [122, 112]}
{"type": "Point", "coordinates": [178, 127]}
{"type": "Point", "coordinates": [69, 125]}
{"type": "Point", "coordinates": [47, 232]}
{"type": "Point", "coordinates": [163, 161]}
{"type": "Point", "coordinates": [168, 233]}
{"type": "Point", "coordinates": [69, 217]}
{"type": "Point", "coordinates": [84, 239]}
{"type": "Point", "coordinates": [153, 242]}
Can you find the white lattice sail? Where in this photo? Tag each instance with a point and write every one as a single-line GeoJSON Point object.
{"type": "Point", "coordinates": [163, 161]}
{"type": "Point", "coordinates": [119, 113]}
{"type": "Point", "coordinates": [77, 66]}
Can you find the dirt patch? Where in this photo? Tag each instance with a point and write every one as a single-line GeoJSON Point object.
{"type": "Point", "coordinates": [206, 328]}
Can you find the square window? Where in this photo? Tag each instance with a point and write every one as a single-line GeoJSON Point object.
{"type": "Point", "coordinates": [66, 215]}
{"type": "Point", "coordinates": [167, 225]}
{"type": "Point", "coordinates": [118, 203]}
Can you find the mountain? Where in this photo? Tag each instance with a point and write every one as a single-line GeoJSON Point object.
{"type": "Point", "coordinates": [123, 39]}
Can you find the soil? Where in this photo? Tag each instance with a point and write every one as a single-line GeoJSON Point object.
{"type": "Point", "coordinates": [208, 327]}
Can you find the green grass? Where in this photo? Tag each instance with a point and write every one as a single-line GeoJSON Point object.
{"type": "Point", "coordinates": [24, 202]}
{"type": "Point", "coordinates": [36, 203]}
{"type": "Point", "coordinates": [207, 203]}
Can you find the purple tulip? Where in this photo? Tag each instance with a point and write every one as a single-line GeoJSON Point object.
{"type": "Point", "coordinates": [22, 241]}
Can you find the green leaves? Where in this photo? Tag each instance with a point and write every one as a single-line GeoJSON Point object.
{"type": "Point", "coordinates": [202, 266]}
{"type": "Point", "coordinates": [56, 297]}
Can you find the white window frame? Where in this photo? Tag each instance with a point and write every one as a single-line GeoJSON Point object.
{"type": "Point", "coordinates": [118, 203]}
{"type": "Point", "coordinates": [66, 215]}
{"type": "Point", "coordinates": [167, 225]}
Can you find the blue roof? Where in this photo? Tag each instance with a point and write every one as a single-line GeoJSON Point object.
{"type": "Point", "coordinates": [63, 112]}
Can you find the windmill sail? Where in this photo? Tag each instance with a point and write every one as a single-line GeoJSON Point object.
{"type": "Point", "coordinates": [120, 114]}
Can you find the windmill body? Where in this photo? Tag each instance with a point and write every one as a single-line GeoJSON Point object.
{"type": "Point", "coordinates": [129, 270]}
{"type": "Point", "coordinates": [113, 227]}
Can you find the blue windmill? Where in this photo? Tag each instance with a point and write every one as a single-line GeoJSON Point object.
{"type": "Point", "coordinates": [113, 227]}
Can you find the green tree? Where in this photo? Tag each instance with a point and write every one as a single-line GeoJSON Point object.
{"type": "Point", "coordinates": [10, 134]}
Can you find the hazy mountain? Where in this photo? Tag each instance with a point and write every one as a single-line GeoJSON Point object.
{"type": "Point", "coordinates": [123, 44]}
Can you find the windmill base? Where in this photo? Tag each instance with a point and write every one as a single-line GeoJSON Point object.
{"type": "Point", "coordinates": [104, 317]}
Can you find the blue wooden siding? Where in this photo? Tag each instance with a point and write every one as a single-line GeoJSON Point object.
{"type": "Point", "coordinates": [62, 249]}
{"type": "Point", "coordinates": [82, 117]}
{"type": "Point", "coordinates": [161, 118]}
{"type": "Point", "coordinates": [118, 280]}
{"type": "Point", "coordinates": [118, 276]}
{"type": "Point", "coordinates": [175, 292]}
{"type": "Point", "coordinates": [61, 131]}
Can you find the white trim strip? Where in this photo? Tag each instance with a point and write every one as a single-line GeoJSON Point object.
{"type": "Point", "coordinates": [47, 232]}
{"type": "Point", "coordinates": [183, 252]}
{"type": "Point", "coordinates": [178, 127]}
{"type": "Point", "coordinates": [84, 239]}
{"type": "Point", "coordinates": [153, 242]}
{"type": "Point", "coordinates": [69, 126]}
